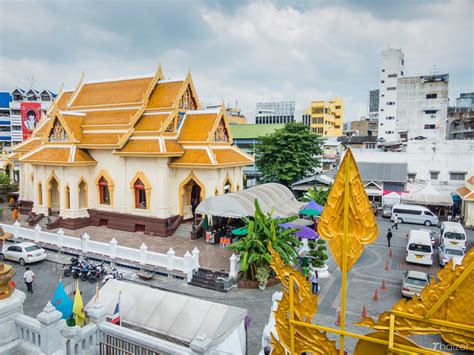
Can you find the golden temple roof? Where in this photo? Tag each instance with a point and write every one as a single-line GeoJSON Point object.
{"type": "Point", "coordinates": [140, 116]}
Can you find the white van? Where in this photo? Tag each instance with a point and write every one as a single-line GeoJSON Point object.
{"type": "Point", "coordinates": [414, 214]}
{"type": "Point", "coordinates": [453, 235]}
{"type": "Point", "coordinates": [419, 248]}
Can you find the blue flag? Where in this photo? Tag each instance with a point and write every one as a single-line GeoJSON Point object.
{"type": "Point", "coordinates": [62, 302]}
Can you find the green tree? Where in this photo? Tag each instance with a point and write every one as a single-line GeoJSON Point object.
{"type": "Point", "coordinates": [5, 183]}
{"type": "Point", "coordinates": [318, 252]}
{"type": "Point", "coordinates": [288, 154]}
{"type": "Point", "coordinates": [319, 196]}
{"type": "Point", "coordinates": [264, 229]}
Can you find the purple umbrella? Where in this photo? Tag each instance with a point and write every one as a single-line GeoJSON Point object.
{"type": "Point", "coordinates": [314, 206]}
{"type": "Point", "coordinates": [303, 232]}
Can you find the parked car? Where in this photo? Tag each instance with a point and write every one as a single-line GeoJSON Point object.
{"type": "Point", "coordinates": [453, 235]}
{"type": "Point", "coordinates": [24, 253]}
{"type": "Point", "coordinates": [447, 252]}
{"type": "Point", "coordinates": [414, 214]}
{"type": "Point", "coordinates": [419, 247]}
{"type": "Point", "coordinates": [414, 282]}
{"type": "Point", "coordinates": [387, 211]}
{"type": "Point", "coordinates": [432, 235]}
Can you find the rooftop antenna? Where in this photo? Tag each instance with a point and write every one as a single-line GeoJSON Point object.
{"type": "Point", "coordinates": [32, 81]}
{"type": "Point", "coordinates": [435, 71]}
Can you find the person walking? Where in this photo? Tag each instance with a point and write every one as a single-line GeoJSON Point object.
{"type": "Point", "coordinates": [314, 282]}
{"type": "Point", "coordinates": [389, 236]}
{"type": "Point", "coordinates": [29, 277]}
{"type": "Point", "coordinates": [395, 221]}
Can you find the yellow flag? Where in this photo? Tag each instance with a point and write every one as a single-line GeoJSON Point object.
{"type": "Point", "coordinates": [78, 309]}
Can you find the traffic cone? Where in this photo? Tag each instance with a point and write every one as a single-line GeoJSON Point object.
{"type": "Point", "coordinates": [383, 285]}
{"type": "Point", "coordinates": [338, 321]}
{"type": "Point", "coordinates": [387, 267]}
{"type": "Point", "coordinates": [376, 295]}
{"type": "Point", "coordinates": [364, 313]}
{"type": "Point", "coordinates": [390, 255]}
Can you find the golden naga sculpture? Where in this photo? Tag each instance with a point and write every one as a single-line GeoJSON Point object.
{"type": "Point", "coordinates": [7, 287]}
{"type": "Point", "coordinates": [305, 305]}
{"type": "Point", "coordinates": [362, 228]}
{"type": "Point", "coordinates": [443, 307]}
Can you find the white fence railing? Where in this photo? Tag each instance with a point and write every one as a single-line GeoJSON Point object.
{"type": "Point", "coordinates": [169, 261]}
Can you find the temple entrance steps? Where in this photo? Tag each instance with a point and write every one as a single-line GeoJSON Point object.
{"type": "Point", "coordinates": [184, 230]}
{"type": "Point", "coordinates": [213, 280]}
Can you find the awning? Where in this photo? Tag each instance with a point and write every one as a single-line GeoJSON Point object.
{"type": "Point", "coordinates": [238, 204]}
{"type": "Point", "coordinates": [173, 317]}
{"type": "Point", "coordinates": [428, 195]}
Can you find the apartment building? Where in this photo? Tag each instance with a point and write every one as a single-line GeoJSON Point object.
{"type": "Point", "coordinates": [325, 117]}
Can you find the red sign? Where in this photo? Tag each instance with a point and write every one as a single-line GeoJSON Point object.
{"type": "Point", "coordinates": [30, 116]}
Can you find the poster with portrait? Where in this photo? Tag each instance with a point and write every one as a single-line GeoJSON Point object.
{"type": "Point", "coordinates": [30, 116]}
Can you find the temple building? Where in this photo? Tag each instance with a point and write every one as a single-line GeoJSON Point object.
{"type": "Point", "coordinates": [135, 154]}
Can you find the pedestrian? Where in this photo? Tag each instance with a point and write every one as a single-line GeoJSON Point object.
{"type": "Point", "coordinates": [29, 277]}
{"type": "Point", "coordinates": [314, 282]}
{"type": "Point", "coordinates": [395, 221]}
{"type": "Point", "coordinates": [449, 217]}
{"type": "Point", "coordinates": [389, 236]}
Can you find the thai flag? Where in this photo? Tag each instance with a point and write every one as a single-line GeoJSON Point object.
{"type": "Point", "coordinates": [116, 316]}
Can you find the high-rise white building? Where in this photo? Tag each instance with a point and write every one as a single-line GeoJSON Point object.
{"type": "Point", "coordinates": [275, 112]}
{"type": "Point", "coordinates": [392, 66]}
{"type": "Point", "coordinates": [422, 107]}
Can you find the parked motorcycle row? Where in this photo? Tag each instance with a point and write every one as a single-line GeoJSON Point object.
{"type": "Point", "coordinates": [86, 269]}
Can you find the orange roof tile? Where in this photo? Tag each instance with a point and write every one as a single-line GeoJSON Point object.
{"type": "Point", "coordinates": [100, 138]}
{"type": "Point", "coordinates": [140, 146]}
{"type": "Point", "coordinates": [28, 145]}
{"type": "Point", "coordinates": [173, 147]}
{"type": "Point", "coordinates": [196, 127]}
{"type": "Point", "coordinates": [230, 156]}
{"type": "Point", "coordinates": [151, 122]}
{"type": "Point", "coordinates": [470, 181]}
{"type": "Point", "coordinates": [109, 117]}
{"type": "Point", "coordinates": [465, 193]}
{"type": "Point", "coordinates": [164, 94]}
{"type": "Point", "coordinates": [74, 124]}
{"type": "Point", "coordinates": [112, 92]}
{"type": "Point", "coordinates": [58, 156]}
{"type": "Point", "coordinates": [63, 99]}
{"type": "Point", "coordinates": [193, 157]}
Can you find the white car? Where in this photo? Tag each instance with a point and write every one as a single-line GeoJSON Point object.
{"type": "Point", "coordinates": [446, 253]}
{"type": "Point", "coordinates": [414, 282]}
{"type": "Point", "coordinates": [24, 253]}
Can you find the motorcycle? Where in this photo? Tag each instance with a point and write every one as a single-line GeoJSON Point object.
{"type": "Point", "coordinates": [114, 274]}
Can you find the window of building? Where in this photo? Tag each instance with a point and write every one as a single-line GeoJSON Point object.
{"type": "Point", "coordinates": [392, 88]}
{"type": "Point", "coordinates": [383, 95]}
{"type": "Point", "coordinates": [434, 175]}
{"type": "Point", "coordinates": [370, 146]}
{"type": "Point", "coordinates": [17, 97]}
{"type": "Point", "coordinates": [411, 177]}
{"type": "Point", "coordinates": [382, 81]}
{"type": "Point", "coordinates": [392, 75]}
{"type": "Point", "coordinates": [383, 70]}
{"type": "Point", "coordinates": [140, 194]}
{"type": "Point", "coordinates": [390, 103]}
{"type": "Point", "coordinates": [401, 73]}
{"type": "Point", "coordinates": [45, 97]}
{"type": "Point", "coordinates": [338, 107]}
{"type": "Point", "coordinates": [40, 194]}
{"type": "Point", "coordinates": [104, 191]}
{"type": "Point", "coordinates": [403, 61]}
{"type": "Point", "coordinates": [32, 98]}
{"type": "Point", "coordinates": [390, 117]}
{"type": "Point", "coordinates": [16, 128]}
{"type": "Point", "coordinates": [389, 132]}
{"type": "Point", "coordinates": [4, 128]}
{"type": "Point", "coordinates": [381, 109]}
{"type": "Point", "coordinates": [430, 126]}
{"type": "Point", "coordinates": [15, 112]}
{"type": "Point", "coordinates": [457, 176]}
{"type": "Point", "coordinates": [67, 198]}
{"type": "Point", "coordinates": [431, 96]}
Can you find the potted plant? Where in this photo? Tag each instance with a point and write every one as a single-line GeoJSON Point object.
{"type": "Point", "coordinates": [263, 273]}
{"type": "Point", "coordinates": [318, 257]}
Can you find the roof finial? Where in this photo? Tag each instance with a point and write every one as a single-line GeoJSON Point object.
{"type": "Point", "coordinates": [159, 72]}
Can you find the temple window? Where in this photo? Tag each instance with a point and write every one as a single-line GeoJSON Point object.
{"type": "Point", "coordinates": [140, 194]}
{"type": "Point", "coordinates": [227, 186]}
{"type": "Point", "coordinates": [68, 198]}
{"type": "Point", "coordinates": [82, 194]}
{"type": "Point", "coordinates": [104, 191]}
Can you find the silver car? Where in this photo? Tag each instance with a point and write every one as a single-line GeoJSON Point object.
{"type": "Point", "coordinates": [24, 253]}
{"type": "Point", "coordinates": [387, 211]}
{"type": "Point", "coordinates": [414, 282]}
{"type": "Point", "coordinates": [446, 253]}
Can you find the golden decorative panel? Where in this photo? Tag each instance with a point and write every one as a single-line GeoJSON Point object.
{"type": "Point", "coordinates": [446, 300]}
{"type": "Point", "coordinates": [6, 271]}
{"type": "Point", "coordinates": [362, 225]}
{"type": "Point", "coordinates": [305, 307]}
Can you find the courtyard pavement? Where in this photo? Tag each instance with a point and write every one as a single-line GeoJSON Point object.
{"type": "Point", "coordinates": [364, 278]}
{"type": "Point", "coordinates": [211, 255]}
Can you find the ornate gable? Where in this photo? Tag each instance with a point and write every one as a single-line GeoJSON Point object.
{"type": "Point", "coordinates": [221, 134]}
{"type": "Point", "coordinates": [58, 133]}
{"type": "Point", "coordinates": [187, 100]}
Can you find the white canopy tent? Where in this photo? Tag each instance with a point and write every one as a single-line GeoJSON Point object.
{"type": "Point", "coordinates": [392, 198]}
{"type": "Point", "coordinates": [427, 195]}
{"type": "Point", "coordinates": [270, 196]}
{"type": "Point", "coordinates": [176, 318]}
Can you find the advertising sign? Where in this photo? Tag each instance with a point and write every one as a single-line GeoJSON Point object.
{"type": "Point", "coordinates": [30, 116]}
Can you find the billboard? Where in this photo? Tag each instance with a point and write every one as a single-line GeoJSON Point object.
{"type": "Point", "coordinates": [30, 116]}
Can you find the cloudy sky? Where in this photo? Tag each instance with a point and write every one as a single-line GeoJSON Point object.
{"type": "Point", "coordinates": [244, 52]}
